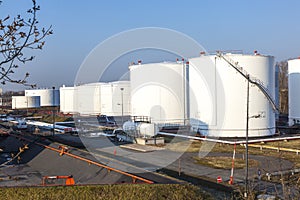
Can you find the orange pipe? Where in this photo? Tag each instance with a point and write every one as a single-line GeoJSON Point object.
{"type": "Point", "coordinates": [134, 177]}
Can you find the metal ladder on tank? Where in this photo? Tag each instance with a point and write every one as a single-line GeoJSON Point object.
{"type": "Point", "coordinates": [252, 79]}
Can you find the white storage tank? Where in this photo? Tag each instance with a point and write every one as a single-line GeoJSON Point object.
{"type": "Point", "coordinates": [147, 130]}
{"type": "Point", "coordinates": [66, 98]}
{"type": "Point", "coordinates": [23, 102]}
{"type": "Point", "coordinates": [87, 99]}
{"type": "Point", "coordinates": [218, 95]}
{"type": "Point", "coordinates": [158, 91]}
{"type": "Point", "coordinates": [115, 98]}
{"type": "Point", "coordinates": [48, 97]}
{"type": "Point", "coordinates": [130, 127]}
{"type": "Point", "coordinates": [294, 91]}
{"type": "Point", "coordinates": [112, 98]}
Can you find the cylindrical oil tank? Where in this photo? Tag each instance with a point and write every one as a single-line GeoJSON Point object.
{"type": "Point", "coordinates": [87, 99]}
{"type": "Point", "coordinates": [130, 128]}
{"type": "Point", "coordinates": [294, 91]}
{"type": "Point", "coordinates": [158, 91]}
{"type": "Point", "coordinates": [23, 102]}
{"type": "Point", "coordinates": [115, 98]}
{"type": "Point", "coordinates": [147, 130]}
{"type": "Point", "coordinates": [218, 95]}
{"type": "Point", "coordinates": [106, 98]}
{"type": "Point", "coordinates": [66, 98]}
{"type": "Point", "coordinates": [48, 97]}
{"type": "Point", "coordinates": [140, 129]}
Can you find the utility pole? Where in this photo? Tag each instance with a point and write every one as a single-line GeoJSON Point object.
{"type": "Point", "coordinates": [122, 89]}
{"type": "Point", "coordinates": [26, 106]}
{"type": "Point", "coordinates": [53, 111]}
{"type": "Point", "coordinates": [184, 91]}
{"type": "Point", "coordinates": [247, 133]}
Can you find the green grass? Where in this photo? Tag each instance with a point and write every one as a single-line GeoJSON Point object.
{"type": "Point", "coordinates": [111, 192]}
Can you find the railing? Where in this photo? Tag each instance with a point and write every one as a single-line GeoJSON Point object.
{"type": "Point", "coordinates": [146, 119]}
{"type": "Point", "coordinates": [250, 78]}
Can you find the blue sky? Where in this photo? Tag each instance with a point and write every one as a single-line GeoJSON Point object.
{"type": "Point", "coordinates": [269, 26]}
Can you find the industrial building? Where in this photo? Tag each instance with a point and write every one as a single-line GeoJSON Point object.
{"type": "Point", "coordinates": [36, 98]}
{"type": "Point", "coordinates": [24, 102]}
{"type": "Point", "coordinates": [294, 95]}
{"type": "Point", "coordinates": [48, 97]}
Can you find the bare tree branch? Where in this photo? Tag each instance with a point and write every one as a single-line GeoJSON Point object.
{"type": "Point", "coordinates": [16, 35]}
{"type": "Point", "coordinates": [283, 86]}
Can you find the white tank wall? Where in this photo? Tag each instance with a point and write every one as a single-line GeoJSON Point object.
{"type": "Point", "coordinates": [46, 96]}
{"type": "Point", "coordinates": [294, 91]}
{"type": "Point", "coordinates": [111, 98]}
{"type": "Point", "coordinates": [157, 90]}
{"type": "Point", "coordinates": [202, 101]}
{"type": "Point", "coordinates": [87, 98]}
{"type": "Point", "coordinates": [22, 102]}
{"type": "Point", "coordinates": [220, 105]}
{"type": "Point", "coordinates": [67, 99]}
{"type": "Point", "coordinates": [103, 98]}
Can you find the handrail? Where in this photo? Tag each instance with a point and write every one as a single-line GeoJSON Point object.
{"type": "Point", "coordinates": [274, 148]}
{"type": "Point", "coordinates": [251, 79]}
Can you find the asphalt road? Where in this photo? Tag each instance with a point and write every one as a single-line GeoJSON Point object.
{"type": "Point", "coordinates": [36, 162]}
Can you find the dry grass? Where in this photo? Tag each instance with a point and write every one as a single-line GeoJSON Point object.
{"type": "Point", "coordinates": [49, 118]}
{"type": "Point", "coordinates": [293, 144]}
{"type": "Point", "coordinates": [224, 162]}
{"type": "Point", "coordinates": [123, 191]}
{"type": "Point", "coordinates": [183, 146]}
{"type": "Point", "coordinates": [195, 146]}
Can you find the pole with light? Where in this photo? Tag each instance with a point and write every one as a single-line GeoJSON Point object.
{"type": "Point", "coordinates": [53, 111]}
{"type": "Point", "coordinates": [26, 106]}
{"type": "Point", "coordinates": [247, 133]}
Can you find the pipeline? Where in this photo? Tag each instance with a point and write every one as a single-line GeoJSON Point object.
{"type": "Point", "coordinates": [222, 141]}
{"type": "Point", "coordinates": [274, 148]}
{"type": "Point", "coordinates": [63, 151]}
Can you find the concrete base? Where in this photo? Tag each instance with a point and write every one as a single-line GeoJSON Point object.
{"type": "Point", "coordinates": [146, 141]}
{"type": "Point", "coordinates": [141, 148]}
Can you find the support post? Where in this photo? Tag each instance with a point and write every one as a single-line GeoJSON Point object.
{"type": "Point", "coordinates": [247, 133]}
{"type": "Point", "coordinates": [122, 99]}
{"type": "Point", "coordinates": [53, 111]}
